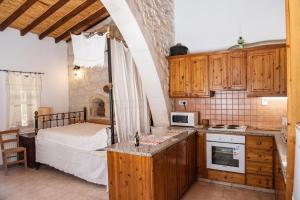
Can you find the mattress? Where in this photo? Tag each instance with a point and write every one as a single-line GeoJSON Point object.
{"type": "Point", "coordinates": [84, 136]}
{"type": "Point", "coordinates": [88, 165]}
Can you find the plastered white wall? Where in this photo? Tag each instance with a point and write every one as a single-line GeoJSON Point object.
{"type": "Point", "coordinates": [28, 53]}
{"type": "Point", "coordinates": [204, 25]}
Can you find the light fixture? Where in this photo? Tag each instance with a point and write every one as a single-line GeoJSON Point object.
{"type": "Point", "coordinates": [76, 71]}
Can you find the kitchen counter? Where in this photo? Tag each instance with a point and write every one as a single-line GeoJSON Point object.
{"type": "Point", "coordinates": [177, 134]}
{"type": "Point", "coordinates": [282, 151]}
{"type": "Point", "coordinates": [249, 131]}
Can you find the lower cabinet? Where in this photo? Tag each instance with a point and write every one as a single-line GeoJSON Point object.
{"type": "Point", "coordinates": [226, 176]}
{"type": "Point", "coordinates": [174, 169]}
{"type": "Point", "coordinates": [172, 178]}
{"type": "Point", "coordinates": [279, 179]}
{"type": "Point", "coordinates": [259, 161]}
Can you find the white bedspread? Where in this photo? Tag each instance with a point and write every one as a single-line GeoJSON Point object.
{"type": "Point", "coordinates": [84, 136]}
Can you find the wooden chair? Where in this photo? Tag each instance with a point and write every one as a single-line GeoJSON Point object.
{"type": "Point", "coordinates": [10, 148]}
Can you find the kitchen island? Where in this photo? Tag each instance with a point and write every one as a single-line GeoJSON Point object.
{"type": "Point", "coordinates": [153, 172]}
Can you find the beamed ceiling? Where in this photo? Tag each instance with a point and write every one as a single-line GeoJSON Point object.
{"type": "Point", "coordinates": [53, 18]}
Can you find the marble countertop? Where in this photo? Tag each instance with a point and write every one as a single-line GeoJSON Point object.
{"type": "Point", "coordinates": [178, 134]}
{"type": "Point", "coordinates": [150, 150]}
{"type": "Point", "coordinates": [249, 131]}
{"type": "Point", "coordinates": [282, 151]}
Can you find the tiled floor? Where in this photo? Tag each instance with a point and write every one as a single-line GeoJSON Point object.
{"type": "Point", "coordinates": [50, 184]}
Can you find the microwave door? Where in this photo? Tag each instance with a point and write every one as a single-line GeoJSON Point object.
{"type": "Point", "coordinates": [180, 119]}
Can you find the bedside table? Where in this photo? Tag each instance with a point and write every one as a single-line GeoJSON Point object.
{"type": "Point", "coordinates": [27, 140]}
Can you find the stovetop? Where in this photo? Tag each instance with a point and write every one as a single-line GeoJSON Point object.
{"type": "Point", "coordinates": [232, 127]}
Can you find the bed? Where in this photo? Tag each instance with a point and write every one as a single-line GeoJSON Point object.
{"type": "Point", "coordinates": [72, 145]}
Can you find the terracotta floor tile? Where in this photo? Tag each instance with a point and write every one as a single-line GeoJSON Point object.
{"type": "Point", "coordinates": [50, 184]}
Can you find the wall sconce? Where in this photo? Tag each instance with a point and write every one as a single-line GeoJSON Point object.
{"type": "Point", "coordinates": [76, 71]}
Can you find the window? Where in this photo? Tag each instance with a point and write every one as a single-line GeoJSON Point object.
{"type": "Point", "coordinates": [23, 98]}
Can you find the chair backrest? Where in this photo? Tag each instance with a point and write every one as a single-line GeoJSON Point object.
{"type": "Point", "coordinates": [9, 137]}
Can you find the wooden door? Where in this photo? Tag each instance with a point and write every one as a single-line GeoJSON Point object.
{"type": "Point", "coordinates": [178, 77]}
{"type": "Point", "coordinates": [197, 81]}
{"type": "Point", "coordinates": [237, 71]}
{"type": "Point", "coordinates": [182, 167]}
{"type": "Point", "coordinates": [283, 72]}
{"type": "Point", "coordinates": [263, 72]}
{"type": "Point", "coordinates": [159, 178]}
{"type": "Point", "coordinates": [172, 189]}
{"type": "Point", "coordinates": [218, 71]}
{"type": "Point", "coordinates": [191, 158]}
{"type": "Point", "coordinates": [201, 155]}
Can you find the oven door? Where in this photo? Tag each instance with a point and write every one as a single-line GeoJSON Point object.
{"type": "Point", "coordinates": [226, 156]}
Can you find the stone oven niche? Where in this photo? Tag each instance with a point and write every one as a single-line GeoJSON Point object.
{"type": "Point", "coordinates": [98, 107]}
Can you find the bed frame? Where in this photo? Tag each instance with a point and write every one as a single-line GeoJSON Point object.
{"type": "Point", "coordinates": [58, 119]}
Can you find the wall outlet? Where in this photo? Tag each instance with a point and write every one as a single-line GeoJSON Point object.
{"type": "Point", "coordinates": [182, 102]}
{"type": "Point", "coordinates": [264, 102]}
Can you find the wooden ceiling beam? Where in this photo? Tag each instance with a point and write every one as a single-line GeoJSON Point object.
{"type": "Point", "coordinates": [81, 24]}
{"type": "Point", "coordinates": [25, 6]}
{"type": "Point", "coordinates": [91, 26]}
{"type": "Point", "coordinates": [44, 16]}
{"type": "Point", "coordinates": [66, 18]}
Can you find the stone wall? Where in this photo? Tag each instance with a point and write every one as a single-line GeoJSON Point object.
{"type": "Point", "coordinates": [148, 29]}
{"type": "Point", "coordinates": [86, 86]}
{"type": "Point", "coordinates": [156, 19]}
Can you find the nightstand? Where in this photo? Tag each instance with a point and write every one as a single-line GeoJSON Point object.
{"type": "Point", "coordinates": [27, 140]}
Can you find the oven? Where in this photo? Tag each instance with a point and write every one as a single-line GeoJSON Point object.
{"type": "Point", "coordinates": [225, 152]}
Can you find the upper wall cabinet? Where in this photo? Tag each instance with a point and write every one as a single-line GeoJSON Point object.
{"type": "Point", "coordinates": [260, 70]}
{"type": "Point", "coordinates": [197, 83]}
{"type": "Point", "coordinates": [266, 72]}
{"type": "Point", "coordinates": [189, 76]}
{"type": "Point", "coordinates": [236, 71]}
{"type": "Point", "coordinates": [218, 71]}
{"type": "Point", "coordinates": [228, 71]}
{"type": "Point", "coordinates": [178, 77]}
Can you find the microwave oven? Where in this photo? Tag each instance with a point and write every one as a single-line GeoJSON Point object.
{"type": "Point", "coordinates": [184, 119]}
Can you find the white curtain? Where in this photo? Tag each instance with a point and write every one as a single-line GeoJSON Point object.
{"type": "Point", "coordinates": [88, 51]}
{"type": "Point", "coordinates": [23, 98]}
{"type": "Point", "coordinates": [131, 107]}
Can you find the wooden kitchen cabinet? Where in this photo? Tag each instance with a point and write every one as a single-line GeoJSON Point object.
{"type": "Point", "coordinates": [191, 159]}
{"type": "Point", "coordinates": [197, 73]}
{"type": "Point", "coordinates": [280, 186]}
{"type": "Point", "coordinates": [172, 181]}
{"type": "Point", "coordinates": [178, 77]}
{"type": "Point", "coordinates": [237, 71]}
{"type": "Point", "coordinates": [259, 161]}
{"type": "Point", "coordinates": [182, 167]}
{"type": "Point", "coordinates": [189, 76]}
{"type": "Point", "coordinates": [164, 176]}
{"type": "Point", "coordinates": [230, 177]}
{"type": "Point", "coordinates": [266, 72]}
{"type": "Point", "coordinates": [201, 155]}
{"type": "Point", "coordinates": [218, 71]}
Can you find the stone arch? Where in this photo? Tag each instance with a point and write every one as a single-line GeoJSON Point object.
{"type": "Point", "coordinates": [148, 58]}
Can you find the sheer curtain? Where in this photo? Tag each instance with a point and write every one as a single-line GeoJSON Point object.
{"type": "Point", "coordinates": [23, 98]}
{"type": "Point", "coordinates": [131, 107]}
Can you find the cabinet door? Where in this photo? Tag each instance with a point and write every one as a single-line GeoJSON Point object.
{"type": "Point", "coordinates": [182, 167]}
{"type": "Point", "coordinates": [159, 178]}
{"type": "Point", "coordinates": [283, 72]}
{"type": "Point", "coordinates": [197, 81]}
{"type": "Point", "coordinates": [191, 158]}
{"type": "Point", "coordinates": [172, 189]}
{"type": "Point", "coordinates": [236, 72]}
{"type": "Point", "coordinates": [218, 71]}
{"type": "Point", "coordinates": [178, 77]}
{"type": "Point", "coordinates": [263, 72]}
{"type": "Point", "coordinates": [201, 155]}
